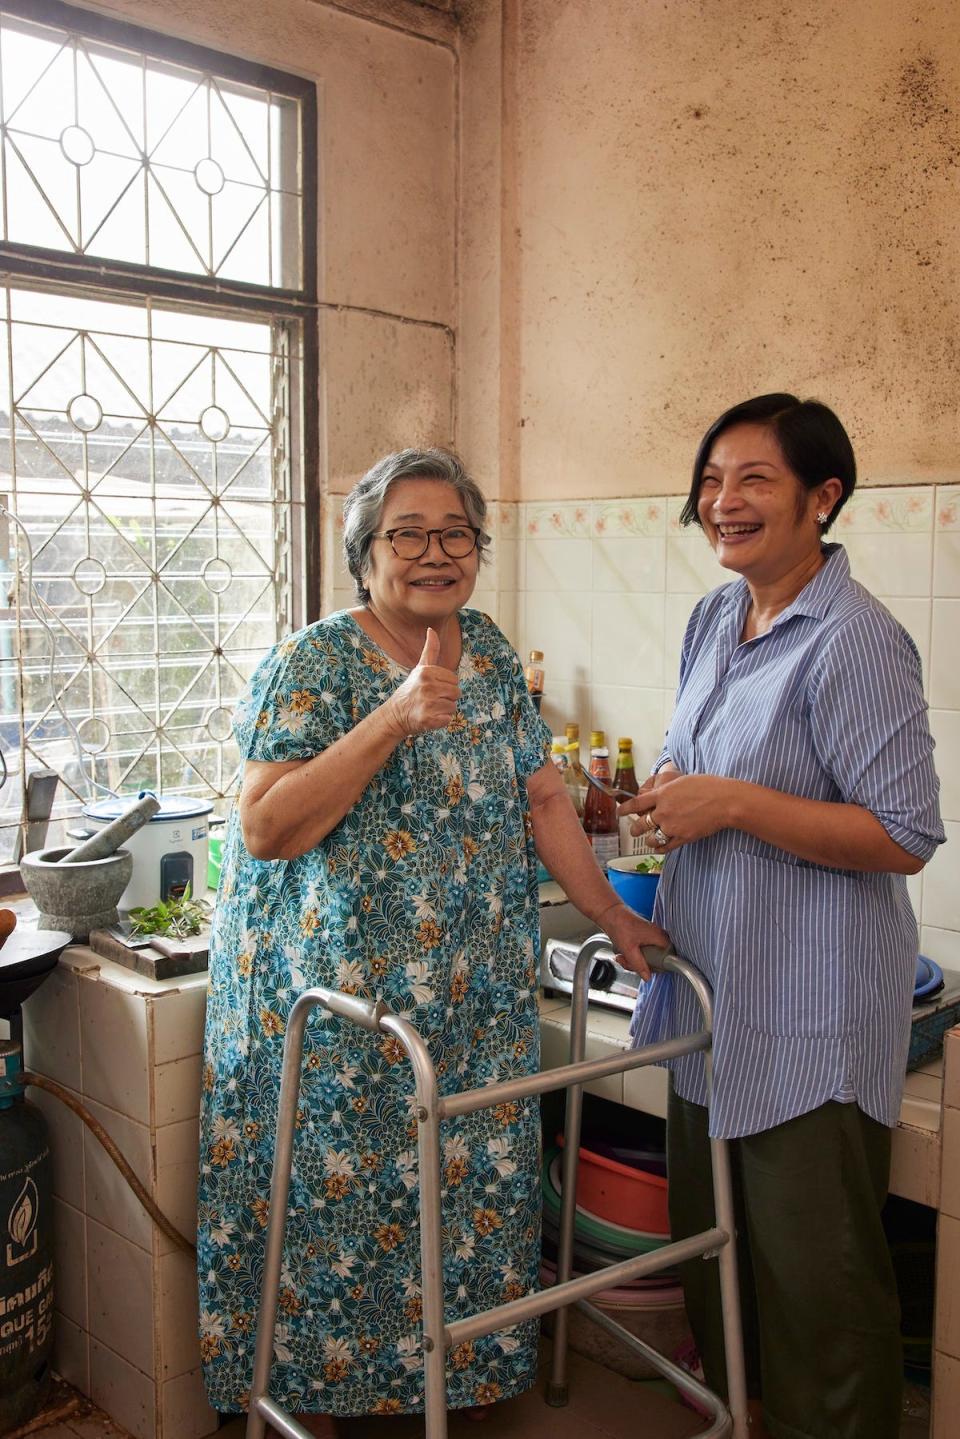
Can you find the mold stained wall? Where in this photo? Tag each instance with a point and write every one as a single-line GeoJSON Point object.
{"type": "Point", "coordinates": [386, 74]}
{"type": "Point", "coordinates": [703, 200]}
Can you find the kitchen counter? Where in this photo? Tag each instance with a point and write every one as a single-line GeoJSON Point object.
{"type": "Point", "coordinates": [130, 1049]}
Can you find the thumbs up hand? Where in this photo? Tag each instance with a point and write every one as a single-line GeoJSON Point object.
{"type": "Point", "coordinates": [431, 648]}
{"type": "Point", "coordinates": [427, 699]}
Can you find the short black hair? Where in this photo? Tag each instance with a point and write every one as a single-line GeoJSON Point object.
{"type": "Point", "coordinates": [813, 441]}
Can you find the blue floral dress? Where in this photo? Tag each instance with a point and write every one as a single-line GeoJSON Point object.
{"type": "Point", "coordinates": [425, 896]}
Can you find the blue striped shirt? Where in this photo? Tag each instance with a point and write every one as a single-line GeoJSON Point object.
{"type": "Point", "coordinates": [812, 968]}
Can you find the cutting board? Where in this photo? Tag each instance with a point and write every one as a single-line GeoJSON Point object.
{"type": "Point", "coordinates": [154, 957]}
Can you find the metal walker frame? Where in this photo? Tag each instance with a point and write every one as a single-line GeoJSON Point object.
{"type": "Point", "coordinates": [438, 1336]}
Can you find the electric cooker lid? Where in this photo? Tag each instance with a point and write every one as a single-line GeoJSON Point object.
{"type": "Point", "coordinates": [172, 806]}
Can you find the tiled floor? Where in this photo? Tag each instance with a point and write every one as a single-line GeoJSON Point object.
{"type": "Point", "coordinates": [602, 1406]}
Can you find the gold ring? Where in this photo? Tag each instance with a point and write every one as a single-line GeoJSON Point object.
{"type": "Point", "coordinates": [649, 820]}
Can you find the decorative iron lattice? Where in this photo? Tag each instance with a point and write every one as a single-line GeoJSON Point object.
{"type": "Point", "coordinates": [152, 446]}
{"type": "Point", "coordinates": [108, 153]}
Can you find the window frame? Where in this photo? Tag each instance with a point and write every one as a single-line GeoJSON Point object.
{"type": "Point", "coordinates": [108, 278]}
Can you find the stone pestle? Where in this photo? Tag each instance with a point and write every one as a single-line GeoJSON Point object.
{"type": "Point", "coordinates": [109, 839]}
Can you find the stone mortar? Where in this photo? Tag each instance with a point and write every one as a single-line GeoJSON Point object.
{"type": "Point", "coordinates": [76, 897]}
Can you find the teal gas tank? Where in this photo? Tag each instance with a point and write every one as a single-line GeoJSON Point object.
{"type": "Point", "coordinates": [26, 1248]}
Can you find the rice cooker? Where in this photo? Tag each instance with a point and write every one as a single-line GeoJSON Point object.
{"type": "Point", "coordinates": [169, 852]}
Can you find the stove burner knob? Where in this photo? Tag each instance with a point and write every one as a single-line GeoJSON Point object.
{"type": "Point", "coordinates": [603, 974]}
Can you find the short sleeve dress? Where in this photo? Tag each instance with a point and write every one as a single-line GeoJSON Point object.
{"type": "Point", "coordinates": [425, 896]}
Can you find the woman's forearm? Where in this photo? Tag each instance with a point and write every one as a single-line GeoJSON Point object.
{"type": "Point", "coordinates": [565, 850]}
{"type": "Point", "coordinates": [287, 808]}
{"type": "Point", "coordinates": [840, 836]}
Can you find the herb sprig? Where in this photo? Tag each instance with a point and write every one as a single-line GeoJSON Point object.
{"type": "Point", "coordinates": [172, 918]}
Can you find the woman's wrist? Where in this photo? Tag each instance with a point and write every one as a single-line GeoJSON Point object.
{"type": "Point", "coordinates": [734, 803]}
{"type": "Point", "coordinates": [601, 915]}
{"type": "Point", "coordinates": [390, 721]}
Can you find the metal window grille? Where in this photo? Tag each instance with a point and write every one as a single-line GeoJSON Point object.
{"type": "Point", "coordinates": [157, 339]}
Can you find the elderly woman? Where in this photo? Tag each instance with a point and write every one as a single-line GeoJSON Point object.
{"type": "Point", "coordinates": [795, 792]}
{"type": "Point", "coordinates": [395, 786]}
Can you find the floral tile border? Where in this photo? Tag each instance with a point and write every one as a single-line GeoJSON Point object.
{"type": "Point", "coordinates": [913, 509]}
{"type": "Point", "coordinates": [904, 509]}
{"type": "Point", "coordinates": [947, 515]}
{"type": "Point", "coordinates": [506, 515]}
{"type": "Point", "coordinates": [546, 521]}
{"type": "Point", "coordinates": [597, 519]}
{"type": "Point", "coordinates": [675, 504]}
{"type": "Point", "coordinates": [642, 517]}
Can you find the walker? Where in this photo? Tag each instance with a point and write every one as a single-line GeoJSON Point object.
{"type": "Point", "coordinates": [438, 1336]}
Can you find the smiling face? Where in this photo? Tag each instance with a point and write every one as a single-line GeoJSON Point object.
{"type": "Point", "coordinates": [428, 590]}
{"type": "Point", "coordinates": [759, 518]}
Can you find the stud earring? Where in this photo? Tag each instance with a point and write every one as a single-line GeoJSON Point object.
{"type": "Point", "coordinates": [822, 517]}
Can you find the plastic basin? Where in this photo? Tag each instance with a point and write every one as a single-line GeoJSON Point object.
{"type": "Point", "coordinates": [621, 1194]}
{"type": "Point", "coordinates": [606, 1236]}
{"type": "Point", "coordinates": [636, 890]}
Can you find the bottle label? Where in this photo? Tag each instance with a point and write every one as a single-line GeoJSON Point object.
{"type": "Point", "coordinates": [604, 846]}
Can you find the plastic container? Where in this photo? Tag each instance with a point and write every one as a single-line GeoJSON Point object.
{"type": "Point", "coordinates": [622, 1195]}
{"type": "Point", "coordinates": [657, 1316]}
{"type": "Point", "coordinates": [214, 860]}
{"type": "Point", "coordinates": [631, 1225]}
{"type": "Point", "coordinates": [636, 890]}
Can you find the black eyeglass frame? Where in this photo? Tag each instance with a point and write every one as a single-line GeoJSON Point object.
{"type": "Point", "coordinates": [475, 530]}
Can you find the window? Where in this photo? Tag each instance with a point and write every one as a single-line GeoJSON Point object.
{"type": "Point", "coordinates": [157, 317]}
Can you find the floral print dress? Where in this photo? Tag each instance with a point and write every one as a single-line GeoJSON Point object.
{"type": "Point", "coordinates": [425, 896]}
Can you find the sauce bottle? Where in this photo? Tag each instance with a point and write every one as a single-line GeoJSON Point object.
{"type": "Point", "coordinates": [600, 810]}
{"type": "Point", "coordinates": [533, 674]}
{"type": "Point", "coordinates": [626, 779]}
{"type": "Point", "coordinates": [625, 776]}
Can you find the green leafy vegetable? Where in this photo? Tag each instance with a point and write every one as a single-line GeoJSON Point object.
{"type": "Point", "coordinates": [649, 864]}
{"type": "Point", "coordinates": [173, 918]}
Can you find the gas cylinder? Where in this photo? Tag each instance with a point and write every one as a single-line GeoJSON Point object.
{"type": "Point", "coordinates": [26, 1248]}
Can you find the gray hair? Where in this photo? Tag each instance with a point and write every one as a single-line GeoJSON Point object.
{"type": "Point", "coordinates": [363, 506]}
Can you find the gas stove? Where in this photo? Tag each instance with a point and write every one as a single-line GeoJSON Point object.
{"type": "Point", "coordinates": [611, 985]}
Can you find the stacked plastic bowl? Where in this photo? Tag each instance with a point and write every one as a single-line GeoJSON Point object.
{"type": "Point", "coordinates": [621, 1213]}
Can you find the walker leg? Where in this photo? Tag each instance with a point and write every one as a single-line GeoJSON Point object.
{"type": "Point", "coordinates": [431, 1263]}
{"type": "Point", "coordinates": [730, 1289]}
{"type": "Point", "coordinates": [558, 1390]}
{"type": "Point", "coordinates": [277, 1221]}
{"type": "Point", "coordinates": [431, 1231]}
{"type": "Point", "coordinates": [729, 1278]}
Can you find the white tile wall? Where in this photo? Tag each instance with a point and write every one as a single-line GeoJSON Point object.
{"type": "Point", "coordinates": [120, 1282]}
{"type": "Point", "coordinates": [107, 1193]}
{"type": "Point", "coordinates": [605, 589]}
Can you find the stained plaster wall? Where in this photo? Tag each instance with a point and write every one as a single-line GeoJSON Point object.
{"type": "Point", "coordinates": [705, 199]}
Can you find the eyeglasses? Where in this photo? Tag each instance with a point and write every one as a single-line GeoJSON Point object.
{"type": "Point", "coordinates": [410, 542]}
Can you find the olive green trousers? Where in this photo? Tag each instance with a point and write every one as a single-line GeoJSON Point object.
{"type": "Point", "coordinates": [819, 1298]}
